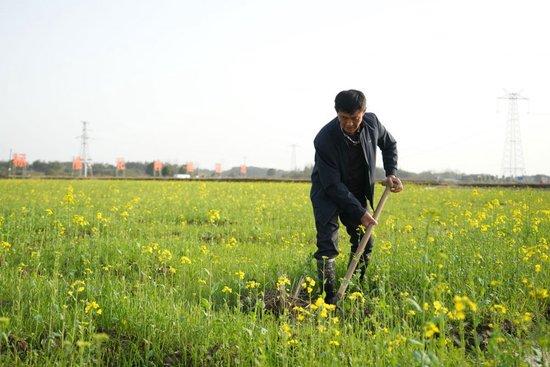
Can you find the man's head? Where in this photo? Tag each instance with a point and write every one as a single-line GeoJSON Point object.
{"type": "Point", "coordinates": [350, 106]}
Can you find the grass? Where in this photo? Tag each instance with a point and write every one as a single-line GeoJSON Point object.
{"type": "Point", "coordinates": [175, 273]}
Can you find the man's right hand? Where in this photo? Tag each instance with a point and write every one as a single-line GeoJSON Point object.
{"type": "Point", "coordinates": [367, 219]}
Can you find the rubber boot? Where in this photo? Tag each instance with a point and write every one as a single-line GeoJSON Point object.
{"type": "Point", "coordinates": [326, 272]}
{"type": "Point", "coordinates": [361, 265]}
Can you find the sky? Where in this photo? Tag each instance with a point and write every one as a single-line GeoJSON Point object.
{"type": "Point", "coordinates": [241, 81]}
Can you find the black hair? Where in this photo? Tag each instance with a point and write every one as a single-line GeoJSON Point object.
{"type": "Point", "coordinates": [350, 101]}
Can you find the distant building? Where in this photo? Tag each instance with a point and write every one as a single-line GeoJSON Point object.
{"type": "Point", "coordinates": [182, 176]}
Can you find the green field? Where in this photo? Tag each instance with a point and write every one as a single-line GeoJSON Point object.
{"type": "Point", "coordinates": [176, 273]}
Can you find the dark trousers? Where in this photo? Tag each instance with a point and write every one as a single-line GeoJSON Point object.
{"type": "Point", "coordinates": [327, 234]}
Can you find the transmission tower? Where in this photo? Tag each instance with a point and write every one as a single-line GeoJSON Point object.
{"type": "Point", "coordinates": [512, 157]}
{"type": "Point", "coordinates": [84, 154]}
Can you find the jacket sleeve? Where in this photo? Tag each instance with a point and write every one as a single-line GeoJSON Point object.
{"type": "Point", "coordinates": [331, 181]}
{"type": "Point", "coordinates": [388, 146]}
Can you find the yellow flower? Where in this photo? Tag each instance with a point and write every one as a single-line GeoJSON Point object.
{"type": "Point", "coordinates": [541, 293]}
{"type": "Point", "coordinates": [49, 211]}
{"type": "Point", "coordinates": [92, 307]}
{"type": "Point", "coordinates": [285, 329]}
{"type": "Point", "coordinates": [456, 315]}
{"type": "Point", "coordinates": [251, 284]}
{"type": "Point", "coordinates": [231, 242]}
{"type": "Point", "coordinates": [226, 289]}
{"type": "Point", "coordinates": [357, 296]}
{"type": "Point", "coordinates": [319, 302]}
{"type": "Point", "coordinates": [292, 342]}
{"type": "Point", "coordinates": [334, 343]}
{"type": "Point", "coordinates": [526, 318]}
{"type": "Point", "coordinates": [430, 329]}
{"type": "Point", "coordinates": [213, 216]}
{"type": "Point", "coordinates": [78, 285]}
{"type": "Point", "coordinates": [439, 308]}
{"type": "Point", "coordinates": [240, 274]}
{"type": "Point", "coordinates": [69, 197]}
{"type": "Point", "coordinates": [537, 268]}
{"type": "Point", "coordinates": [185, 260]}
{"type": "Point", "coordinates": [282, 281]}
{"type": "Point", "coordinates": [499, 309]}
{"type": "Point", "coordinates": [5, 245]}
{"type": "Point", "coordinates": [164, 255]}
{"type": "Point", "coordinates": [386, 246]}
{"type": "Point", "coordinates": [80, 221]}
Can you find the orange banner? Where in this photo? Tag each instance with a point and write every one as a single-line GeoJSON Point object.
{"type": "Point", "coordinates": [120, 164]}
{"type": "Point", "coordinates": [19, 160]}
{"type": "Point", "coordinates": [77, 163]}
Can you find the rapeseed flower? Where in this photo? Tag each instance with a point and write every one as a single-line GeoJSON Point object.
{"type": "Point", "coordinates": [185, 260]}
{"type": "Point", "coordinates": [308, 284]}
{"type": "Point", "coordinates": [430, 329]}
{"type": "Point", "coordinates": [69, 196]}
{"type": "Point", "coordinates": [461, 303]}
{"type": "Point", "coordinates": [213, 216]}
{"type": "Point", "coordinates": [92, 307]}
{"type": "Point", "coordinates": [251, 284]}
{"type": "Point", "coordinates": [164, 256]}
{"type": "Point", "coordinates": [541, 293]}
{"type": "Point", "coordinates": [282, 281]}
{"type": "Point", "coordinates": [285, 329]}
{"type": "Point", "coordinates": [497, 308]}
{"type": "Point", "coordinates": [5, 245]}
{"type": "Point", "coordinates": [357, 296]}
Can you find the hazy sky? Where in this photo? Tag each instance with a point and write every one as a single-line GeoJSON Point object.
{"type": "Point", "coordinates": [217, 81]}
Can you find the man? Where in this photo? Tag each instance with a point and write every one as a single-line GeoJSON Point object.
{"type": "Point", "coordinates": [343, 180]}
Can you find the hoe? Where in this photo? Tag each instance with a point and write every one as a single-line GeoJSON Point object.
{"type": "Point", "coordinates": [361, 247]}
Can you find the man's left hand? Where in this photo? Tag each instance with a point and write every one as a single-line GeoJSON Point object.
{"type": "Point", "coordinates": [394, 183]}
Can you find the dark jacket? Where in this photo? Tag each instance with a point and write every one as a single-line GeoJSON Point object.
{"type": "Point", "coordinates": [328, 191]}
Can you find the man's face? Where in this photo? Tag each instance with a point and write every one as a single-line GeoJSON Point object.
{"type": "Point", "coordinates": [350, 122]}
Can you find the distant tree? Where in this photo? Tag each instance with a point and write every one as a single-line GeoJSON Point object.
{"type": "Point", "coordinates": [149, 169]}
{"type": "Point", "coordinates": [271, 172]}
{"type": "Point", "coordinates": [168, 170]}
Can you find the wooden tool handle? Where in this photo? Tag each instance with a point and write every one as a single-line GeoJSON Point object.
{"type": "Point", "coordinates": [362, 245]}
